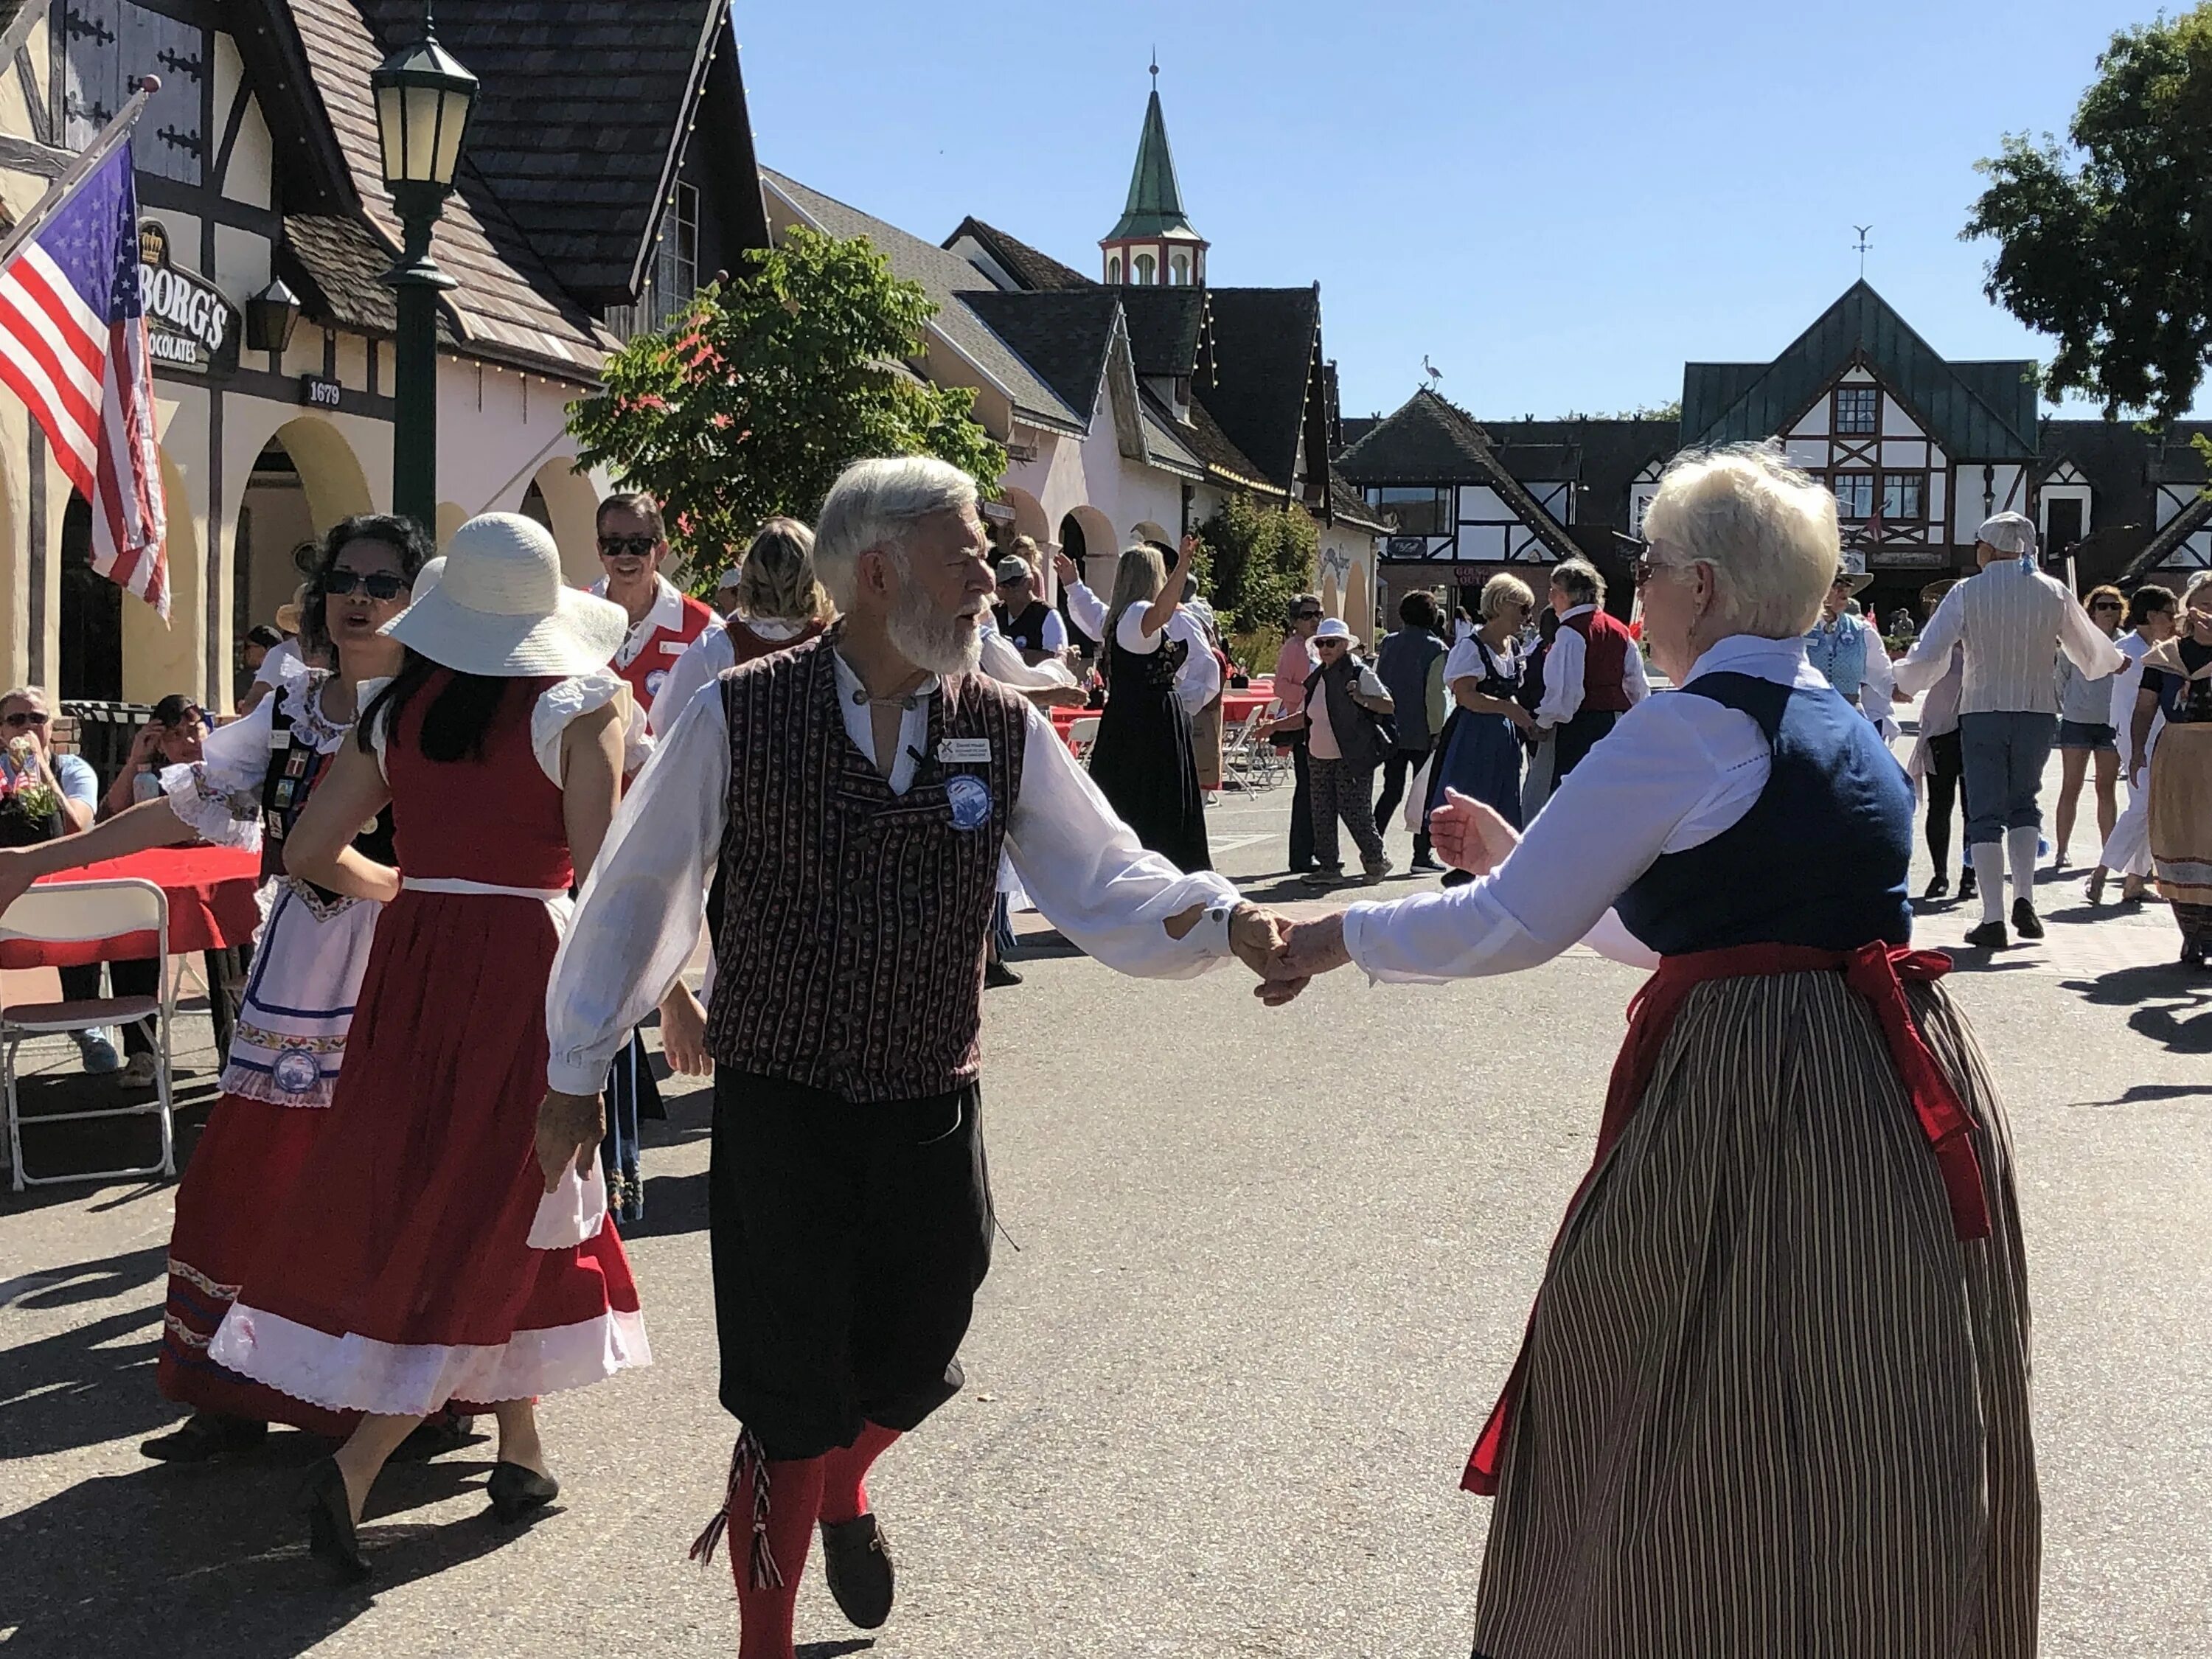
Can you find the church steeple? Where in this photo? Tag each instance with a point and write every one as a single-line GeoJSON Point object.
{"type": "Point", "coordinates": [1153, 243]}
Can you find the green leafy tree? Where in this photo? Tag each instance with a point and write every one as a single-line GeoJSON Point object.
{"type": "Point", "coordinates": [2106, 243]}
{"type": "Point", "coordinates": [1253, 560]}
{"type": "Point", "coordinates": [768, 385]}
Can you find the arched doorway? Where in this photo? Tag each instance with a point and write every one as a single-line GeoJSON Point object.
{"type": "Point", "coordinates": [1029, 517]}
{"type": "Point", "coordinates": [91, 642]}
{"type": "Point", "coordinates": [306, 479]}
{"type": "Point", "coordinates": [570, 504]}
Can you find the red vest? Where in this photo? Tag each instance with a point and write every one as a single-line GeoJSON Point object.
{"type": "Point", "coordinates": [659, 650]}
{"type": "Point", "coordinates": [1606, 646]}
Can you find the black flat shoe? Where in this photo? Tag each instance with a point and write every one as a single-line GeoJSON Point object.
{"type": "Point", "coordinates": [997, 977]}
{"type": "Point", "coordinates": [331, 1537]}
{"type": "Point", "coordinates": [1969, 884]}
{"type": "Point", "coordinates": [1939, 888]}
{"type": "Point", "coordinates": [516, 1491]}
{"type": "Point", "coordinates": [204, 1436]}
{"type": "Point", "coordinates": [2024, 922]}
{"type": "Point", "coordinates": [1990, 936]}
{"type": "Point", "coordinates": [858, 1563]}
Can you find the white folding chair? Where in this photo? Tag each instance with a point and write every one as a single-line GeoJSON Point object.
{"type": "Point", "coordinates": [1237, 746]}
{"type": "Point", "coordinates": [69, 913]}
{"type": "Point", "coordinates": [1082, 735]}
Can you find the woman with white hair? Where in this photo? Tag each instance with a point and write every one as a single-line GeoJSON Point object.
{"type": "Point", "coordinates": [1773, 1396]}
{"type": "Point", "coordinates": [1144, 761]}
{"type": "Point", "coordinates": [1480, 754]}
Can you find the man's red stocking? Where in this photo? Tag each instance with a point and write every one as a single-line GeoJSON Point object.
{"type": "Point", "coordinates": [770, 1515]}
{"type": "Point", "coordinates": [844, 1475]}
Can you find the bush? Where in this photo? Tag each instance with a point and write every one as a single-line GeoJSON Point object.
{"type": "Point", "coordinates": [1253, 561]}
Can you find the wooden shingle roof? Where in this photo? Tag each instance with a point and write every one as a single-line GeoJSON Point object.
{"type": "Point", "coordinates": [579, 128]}
{"type": "Point", "coordinates": [1264, 343]}
{"type": "Point", "coordinates": [508, 305]}
{"type": "Point", "coordinates": [1038, 273]}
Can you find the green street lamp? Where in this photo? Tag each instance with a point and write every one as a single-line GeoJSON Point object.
{"type": "Point", "coordinates": [423, 97]}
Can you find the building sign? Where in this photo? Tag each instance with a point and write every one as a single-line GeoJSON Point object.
{"type": "Point", "coordinates": [317, 392]}
{"type": "Point", "coordinates": [189, 324]}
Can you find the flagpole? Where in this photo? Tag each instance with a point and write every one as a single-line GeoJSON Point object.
{"type": "Point", "coordinates": [66, 183]}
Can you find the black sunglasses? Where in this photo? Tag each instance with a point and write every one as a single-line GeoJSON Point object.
{"type": "Point", "coordinates": [1308, 616]}
{"type": "Point", "coordinates": [27, 717]}
{"type": "Point", "coordinates": [2108, 605]}
{"type": "Point", "coordinates": [379, 584]}
{"type": "Point", "coordinates": [638, 547]}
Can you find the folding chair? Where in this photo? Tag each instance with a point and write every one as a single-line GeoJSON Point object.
{"type": "Point", "coordinates": [1082, 734]}
{"type": "Point", "coordinates": [1237, 746]}
{"type": "Point", "coordinates": [70, 913]}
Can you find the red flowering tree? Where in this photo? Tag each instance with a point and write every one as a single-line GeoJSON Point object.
{"type": "Point", "coordinates": [753, 400]}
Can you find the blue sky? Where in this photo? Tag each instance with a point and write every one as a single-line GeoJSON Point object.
{"type": "Point", "coordinates": [1560, 203]}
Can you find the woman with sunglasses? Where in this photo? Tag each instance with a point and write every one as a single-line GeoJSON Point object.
{"type": "Point", "coordinates": [248, 787]}
{"type": "Point", "coordinates": [2086, 729]}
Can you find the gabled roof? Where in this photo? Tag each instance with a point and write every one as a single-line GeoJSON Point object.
{"type": "Point", "coordinates": [508, 305]}
{"type": "Point", "coordinates": [1266, 343]}
{"type": "Point", "coordinates": [1155, 204]}
{"type": "Point", "coordinates": [1032, 271]}
{"type": "Point", "coordinates": [580, 124]}
{"type": "Point", "coordinates": [2162, 546]}
{"type": "Point", "coordinates": [947, 279]}
{"type": "Point", "coordinates": [1978, 411]}
{"type": "Point", "coordinates": [1167, 328]}
{"type": "Point", "coordinates": [1063, 335]}
{"type": "Point", "coordinates": [1429, 440]}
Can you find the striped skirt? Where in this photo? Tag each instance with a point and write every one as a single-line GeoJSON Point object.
{"type": "Point", "coordinates": [1771, 1406]}
{"type": "Point", "coordinates": [2181, 825]}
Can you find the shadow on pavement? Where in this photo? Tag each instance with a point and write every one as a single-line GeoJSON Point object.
{"type": "Point", "coordinates": [2181, 1021]}
{"type": "Point", "coordinates": [2144, 1094]}
{"type": "Point", "coordinates": [834, 1650]}
{"type": "Point", "coordinates": [93, 1382]}
{"type": "Point", "coordinates": [211, 1563]}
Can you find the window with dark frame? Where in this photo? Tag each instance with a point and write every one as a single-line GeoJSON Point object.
{"type": "Point", "coordinates": [1904, 495]}
{"type": "Point", "coordinates": [674, 277]}
{"type": "Point", "coordinates": [1858, 409]}
{"type": "Point", "coordinates": [1420, 510]}
{"type": "Point", "coordinates": [1854, 495]}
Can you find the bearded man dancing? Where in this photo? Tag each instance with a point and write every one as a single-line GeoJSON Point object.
{"type": "Point", "coordinates": [854, 794]}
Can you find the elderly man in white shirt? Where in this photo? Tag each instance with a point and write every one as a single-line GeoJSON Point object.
{"type": "Point", "coordinates": [2012, 621]}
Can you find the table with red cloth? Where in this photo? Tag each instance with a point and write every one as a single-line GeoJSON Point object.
{"type": "Point", "coordinates": [1237, 707]}
{"type": "Point", "coordinates": [213, 908]}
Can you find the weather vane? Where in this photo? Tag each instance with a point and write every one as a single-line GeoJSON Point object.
{"type": "Point", "coordinates": [1155, 67]}
{"type": "Point", "coordinates": [1862, 245]}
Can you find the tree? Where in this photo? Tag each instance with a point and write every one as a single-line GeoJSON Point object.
{"type": "Point", "coordinates": [2108, 248]}
{"type": "Point", "coordinates": [751, 401]}
{"type": "Point", "coordinates": [1255, 560]}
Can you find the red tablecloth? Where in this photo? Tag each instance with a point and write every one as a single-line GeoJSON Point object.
{"type": "Point", "coordinates": [212, 905]}
{"type": "Point", "coordinates": [1236, 706]}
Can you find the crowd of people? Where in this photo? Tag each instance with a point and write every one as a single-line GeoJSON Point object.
{"type": "Point", "coordinates": [497, 816]}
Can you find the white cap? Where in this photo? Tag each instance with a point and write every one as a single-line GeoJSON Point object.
{"type": "Point", "coordinates": [2008, 532]}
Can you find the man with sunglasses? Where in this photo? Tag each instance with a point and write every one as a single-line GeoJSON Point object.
{"type": "Point", "coordinates": [663, 622]}
{"type": "Point", "coordinates": [1025, 621]}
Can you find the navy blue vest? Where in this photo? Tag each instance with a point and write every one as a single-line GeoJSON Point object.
{"type": "Point", "coordinates": [1822, 858]}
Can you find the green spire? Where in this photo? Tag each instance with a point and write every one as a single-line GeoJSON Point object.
{"type": "Point", "coordinates": [1155, 205]}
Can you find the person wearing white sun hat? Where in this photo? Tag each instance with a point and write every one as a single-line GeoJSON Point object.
{"type": "Point", "coordinates": [1345, 742]}
{"type": "Point", "coordinates": [419, 1260]}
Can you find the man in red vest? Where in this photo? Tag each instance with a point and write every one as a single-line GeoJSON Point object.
{"type": "Point", "coordinates": [633, 543]}
{"type": "Point", "coordinates": [1594, 673]}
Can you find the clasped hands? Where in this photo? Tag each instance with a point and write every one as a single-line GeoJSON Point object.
{"type": "Point", "coordinates": [1287, 955]}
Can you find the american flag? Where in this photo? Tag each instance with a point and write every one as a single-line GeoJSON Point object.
{"type": "Point", "coordinates": [73, 347]}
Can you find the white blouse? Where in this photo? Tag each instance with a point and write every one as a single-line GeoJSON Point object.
{"type": "Point", "coordinates": [218, 797]}
{"type": "Point", "coordinates": [1674, 771]}
{"type": "Point", "coordinates": [639, 915]}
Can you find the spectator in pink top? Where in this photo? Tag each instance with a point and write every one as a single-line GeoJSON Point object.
{"type": "Point", "coordinates": [1294, 666]}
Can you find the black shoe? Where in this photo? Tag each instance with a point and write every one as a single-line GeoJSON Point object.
{"type": "Point", "coordinates": [1939, 888]}
{"type": "Point", "coordinates": [1968, 885]}
{"type": "Point", "coordinates": [1990, 936]}
{"type": "Point", "coordinates": [1456, 879]}
{"type": "Point", "coordinates": [434, 1436]}
{"type": "Point", "coordinates": [862, 1578]}
{"type": "Point", "coordinates": [1425, 864]}
{"type": "Point", "coordinates": [204, 1436]}
{"type": "Point", "coordinates": [516, 1491]}
{"type": "Point", "coordinates": [2024, 922]}
{"type": "Point", "coordinates": [331, 1536]}
{"type": "Point", "coordinates": [997, 975]}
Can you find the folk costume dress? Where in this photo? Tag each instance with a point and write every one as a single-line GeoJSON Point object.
{"type": "Point", "coordinates": [1481, 755]}
{"type": "Point", "coordinates": [1773, 1397]}
{"type": "Point", "coordinates": [2180, 816]}
{"type": "Point", "coordinates": [1144, 762]}
{"type": "Point", "coordinates": [400, 1273]}
{"type": "Point", "coordinates": [288, 1047]}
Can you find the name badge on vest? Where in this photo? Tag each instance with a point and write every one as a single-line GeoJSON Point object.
{"type": "Point", "coordinates": [969, 798]}
{"type": "Point", "coordinates": [964, 752]}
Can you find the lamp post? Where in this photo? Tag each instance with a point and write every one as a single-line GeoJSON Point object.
{"type": "Point", "coordinates": [423, 96]}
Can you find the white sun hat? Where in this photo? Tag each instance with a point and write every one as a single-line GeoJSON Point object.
{"type": "Point", "coordinates": [1335, 627]}
{"type": "Point", "coordinates": [427, 578]}
{"type": "Point", "coordinates": [501, 609]}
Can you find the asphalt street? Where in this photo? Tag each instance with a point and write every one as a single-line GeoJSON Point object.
{"type": "Point", "coordinates": [1262, 1273]}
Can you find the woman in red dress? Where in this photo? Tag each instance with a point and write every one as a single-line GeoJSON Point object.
{"type": "Point", "coordinates": [419, 1259]}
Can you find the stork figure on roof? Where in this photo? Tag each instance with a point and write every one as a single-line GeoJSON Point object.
{"type": "Point", "coordinates": [1431, 371]}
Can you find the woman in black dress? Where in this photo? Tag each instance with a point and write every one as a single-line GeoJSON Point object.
{"type": "Point", "coordinates": [1143, 761]}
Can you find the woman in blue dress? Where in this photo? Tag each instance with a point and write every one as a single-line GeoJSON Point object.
{"type": "Point", "coordinates": [1480, 754]}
